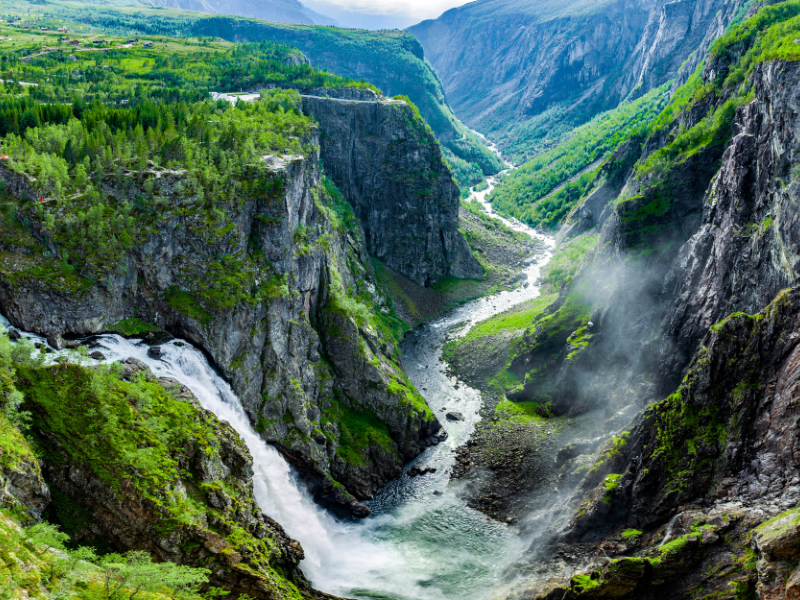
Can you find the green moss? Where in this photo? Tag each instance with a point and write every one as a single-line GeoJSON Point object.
{"type": "Point", "coordinates": [408, 395]}
{"type": "Point", "coordinates": [584, 583]}
{"type": "Point", "coordinates": [339, 212]}
{"type": "Point", "coordinates": [610, 486]}
{"type": "Point", "coordinates": [611, 482]}
{"type": "Point", "coordinates": [630, 534]}
{"type": "Point", "coordinates": [714, 129]}
{"type": "Point", "coordinates": [579, 340]}
{"type": "Point", "coordinates": [360, 430]}
{"type": "Point", "coordinates": [73, 404]}
{"type": "Point", "coordinates": [518, 318]}
{"type": "Point", "coordinates": [15, 452]}
{"type": "Point", "coordinates": [138, 440]}
{"type": "Point", "coordinates": [52, 274]}
{"type": "Point", "coordinates": [185, 303]}
{"type": "Point", "coordinates": [562, 268]}
{"type": "Point", "coordinates": [133, 327]}
{"type": "Point", "coordinates": [522, 412]}
{"type": "Point", "coordinates": [733, 317]}
{"type": "Point", "coordinates": [702, 430]}
{"type": "Point", "coordinates": [779, 530]}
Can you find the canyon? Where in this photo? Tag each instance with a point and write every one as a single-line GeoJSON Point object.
{"type": "Point", "coordinates": [331, 344]}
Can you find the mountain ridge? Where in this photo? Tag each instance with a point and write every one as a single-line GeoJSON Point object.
{"type": "Point", "coordinates": [283, 11]}
{"type": "Point", "coordinates": [528, 76]}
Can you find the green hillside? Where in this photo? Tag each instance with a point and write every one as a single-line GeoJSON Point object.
{"type": "Point", "coordinates": [391, 60]}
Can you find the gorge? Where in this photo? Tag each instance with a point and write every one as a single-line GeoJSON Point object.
{"type": "Point", "coordinates": [269, 331]}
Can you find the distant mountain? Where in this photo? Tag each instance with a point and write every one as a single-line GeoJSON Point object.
{"type": "Point", "coordinates": [281, 11]}
{"type": "Point", "coordinates": [525, 72]}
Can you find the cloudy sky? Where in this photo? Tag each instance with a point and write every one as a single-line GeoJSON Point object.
{"type": "Point", "coordinates": [382, 13]}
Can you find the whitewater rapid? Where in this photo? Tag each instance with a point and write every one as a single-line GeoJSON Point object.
{"type": "Point", "coordinates": [422, 541]}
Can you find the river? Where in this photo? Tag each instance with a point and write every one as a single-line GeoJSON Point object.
{"type": "Point", "coordinates": [422, 542]}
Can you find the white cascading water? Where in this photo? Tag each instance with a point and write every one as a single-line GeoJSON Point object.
{"type": "Point", "coordinates": [422, 541]}
{"type": "Point", "coordinates": [324, 539]}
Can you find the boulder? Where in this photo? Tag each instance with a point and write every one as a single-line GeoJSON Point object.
{"type": "Point", "coordinates": [417, 470]}
{"type": "Point", "coordinates": [133, 366]}
{"type": "Point", "coordinates": [55, 341]}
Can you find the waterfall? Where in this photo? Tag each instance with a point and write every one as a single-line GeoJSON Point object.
{"type": "Point", "coordinates": [670, 526]}
{"type": "Point", "coordinates": [338, 555]}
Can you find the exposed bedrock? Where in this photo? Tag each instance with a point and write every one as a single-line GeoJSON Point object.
{"type": "Point", "coordinates": [717, 234]}
{"type": "Point", "coordinates": [388, 164]}
{"type": "Point", "coordinates": [503, 62]}
{"type": "Point", "coordinates": [292, 350]}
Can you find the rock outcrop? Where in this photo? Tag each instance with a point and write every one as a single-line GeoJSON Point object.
{"type": "Point", "coordinates": [388, 165]}
{"type": "Point", "coordinates": [120, 483]}
{"type": "Point", "coordinates": [690, 287]}
{"type": "Point", "coordinates": [264, 285]}
{"type": "Point", "coordinates": [21, 482]}
{"type": "Point", "coordinates": [748, 246]}
{"type": "Point", "coordinates": [715, 235]}
{"type": "Point", "coordinates": [709, 473]}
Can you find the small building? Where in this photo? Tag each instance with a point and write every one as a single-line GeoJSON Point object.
{"type": "Point", "coordinates": [133, 41]}
{"type": "Point", "coordinates": [103, 42]}
{"type": "Point", "coordinates": [147, 45]}
{"type": "Point", "coordinates": [74, 43]}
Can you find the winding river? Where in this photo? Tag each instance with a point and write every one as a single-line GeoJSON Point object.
{"type": "Point", "coordinates": [422, 542]}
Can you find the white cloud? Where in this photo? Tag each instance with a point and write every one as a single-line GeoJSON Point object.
{"type": "Point", "coordinates": [412, 9]}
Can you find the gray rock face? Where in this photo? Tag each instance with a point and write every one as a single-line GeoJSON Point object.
{"type": "Point", "coordinates": [21, 481]}
{"type": "Point", "coordinates": [271, 349]}
{"type": "Point", "coordinates": [216, 470]}
{"type": "Point", "coordinates": [723, 239]}
{"type": "Point", "coordinates": [390, 168]}
{"type": "Point", "coordinates": [748, 246]}
{"type": "Point", "coordinates": [502, 61]}
{"type": "Point", "coordinates": [733, 431]}
{"type": "Point", "coordinates": [705, 310]}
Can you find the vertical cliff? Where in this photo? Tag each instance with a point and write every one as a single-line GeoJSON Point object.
{"type": "Point", "coordinates": [131, 463]}
{"type": "Point", "coordinates": [691, 286]}
{"type": "Point", "coordinates": [388, 165]}
{"type": "Point", "coordinates": [275, 284]}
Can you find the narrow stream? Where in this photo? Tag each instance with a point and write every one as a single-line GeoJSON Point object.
{"type": "Point", "coordinates": [422, 542]}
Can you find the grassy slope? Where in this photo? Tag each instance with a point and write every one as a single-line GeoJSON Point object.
{"type": "Point", "coordinates": [501, 335]}
{"type": "Point", "coordinates": [528, 192]}
{"type": "Point", "coordinates": [648, 224]}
